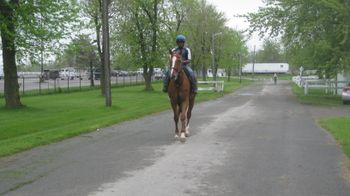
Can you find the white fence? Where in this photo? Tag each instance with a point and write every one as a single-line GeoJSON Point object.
{"type": "Point", "coordinates": [214, 86]}
{"type": "Point", "coordinates": [312, 82]}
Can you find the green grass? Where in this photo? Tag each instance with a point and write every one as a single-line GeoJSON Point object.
{"type": "Point", "coordinates": [50, 118]}
{"type": "Point", "coordinates": [339, 127]}
{"type": "Point", "coordinates": [316, 97]}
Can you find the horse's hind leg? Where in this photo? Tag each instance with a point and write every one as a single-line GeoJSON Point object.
{"type": "Point", "coordinates": [189, 114]}
{"type": "Point", "coordinates": [176, 120]}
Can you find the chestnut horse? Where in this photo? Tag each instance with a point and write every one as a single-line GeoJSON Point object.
{"type": "Point", "coordinates": [181, 96]}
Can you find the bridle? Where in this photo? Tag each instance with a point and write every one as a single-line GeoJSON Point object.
{"type": "Point", "coordinates": [173, 65]}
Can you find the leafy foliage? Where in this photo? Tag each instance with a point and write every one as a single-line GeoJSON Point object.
{"type": "Point", "coordinates": [315, 33]}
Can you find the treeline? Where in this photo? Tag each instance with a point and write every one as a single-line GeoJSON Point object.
{"type": "Point", "coordinates": [315, 33]}
{"type": "Point", "coordinates": [141, 32]}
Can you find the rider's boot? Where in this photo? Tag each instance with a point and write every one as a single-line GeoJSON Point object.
{"type": "Point", "coordinates": [192, 78]}
{"type": "Point", "coordinates": [194, 85]}
{"type": "Point", "coordinates": [166, 83]}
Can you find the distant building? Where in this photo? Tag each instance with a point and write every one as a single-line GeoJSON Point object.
{"type": "Point", "coordinates": [266, 68]}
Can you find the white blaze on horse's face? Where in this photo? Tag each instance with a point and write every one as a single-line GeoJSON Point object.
{"type": "Point", "coordinates": [173, 63]}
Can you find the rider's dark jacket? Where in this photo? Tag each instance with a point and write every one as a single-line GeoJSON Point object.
{"type": "Point", "coordinates": [186, 53]}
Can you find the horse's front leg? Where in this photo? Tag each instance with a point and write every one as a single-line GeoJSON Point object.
{"type": "Point", "coordinates": [176, 120]}
{"type": "Point", "coordinates": [183, 117]}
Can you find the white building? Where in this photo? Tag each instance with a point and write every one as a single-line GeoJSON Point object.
{"type": "Point", "coordinates": [266, 68]}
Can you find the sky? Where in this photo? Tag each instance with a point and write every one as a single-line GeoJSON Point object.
{"type": "Point", "coordinates": [234, 7]}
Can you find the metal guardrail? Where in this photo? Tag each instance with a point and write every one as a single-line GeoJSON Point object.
{"type": "Point", "coordinates": [36, 84]}
{"type": "Point", "coordinates": [216, 86]}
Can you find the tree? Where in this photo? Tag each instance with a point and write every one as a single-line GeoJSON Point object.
{"type": "Point", "coordinates": [140, 27]}
{"type": "Point", "coordinates": [208, 22]}
{"type": "Point", "coordinates": [143, 31]}
{"type": "Point", "coordinates": [270, 53]}
{"type": "Point", "coordinates": [317, 28]}
{"type": "Point", "coordinates": [78, 53]}
{"type": "Point", "coordinates": [233, 49]}
{"type": "Point", "coordinates": [93, 10]}
{"type": "Point", "coordinates": [23, 26]}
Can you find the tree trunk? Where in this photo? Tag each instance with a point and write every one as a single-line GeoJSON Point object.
{"type": "Point", "coordinates": [12, 99]}
{"type": "Point", "coordinates": [99, 48]}
{"type": "Point", "coordinates": [204, 73]}
{"type": "Point", "coordinates": [148, 82]}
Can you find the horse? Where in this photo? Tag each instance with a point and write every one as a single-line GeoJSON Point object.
{"type": "Point", "coordinates": [181, 96]}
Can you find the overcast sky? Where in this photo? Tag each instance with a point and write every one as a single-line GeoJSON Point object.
{"type": "Point", "coordinates": [235, 7]}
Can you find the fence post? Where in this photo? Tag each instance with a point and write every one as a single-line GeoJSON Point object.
{"type": "Point", "coordinates": [80, 81]}
{"type": "Point", "coordinates": [306, 86]}
{"type": "Point", "coordinates": [39, 85]}
{"type": "Point", "coordinates": [123, 80]}
{"type": "Point", "coordinates": [55, 84]}
{"type": "Point", "coordinates": [68, 83]}
{"type": "Point", "coordinates": [22, 85]}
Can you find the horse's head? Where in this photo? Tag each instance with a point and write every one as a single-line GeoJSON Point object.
{"type": "Point", "coordinates": [175, 64]}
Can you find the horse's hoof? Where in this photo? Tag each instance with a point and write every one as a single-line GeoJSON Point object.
{"type": "Point", "coordinates": [183, 137]}
{"type": "Point", "coordinates": [187, 133]}
{"type": "Point", "coordinates": [176, 136]}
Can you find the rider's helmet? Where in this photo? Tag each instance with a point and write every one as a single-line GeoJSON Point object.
{"type": "Point", "coordinates": [180, 38]}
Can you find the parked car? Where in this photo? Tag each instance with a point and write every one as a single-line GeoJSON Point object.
{"type": "Point", "coordinates": [346, 94]}
{"type": "Point", "coordinates": [114, 73]}
{"type": "Point", "coordinates": [139, 71]}
{"type": "Point", "coordinates": [51, 74]}
{"type": "Point", "coordinates": [159, 75]}
{"type": "Point", "coordinates": [68, 73]}
{"type": "Point", "coordinates": [97, 74]}
{"type": "Point", "coordinates": [123, 73]}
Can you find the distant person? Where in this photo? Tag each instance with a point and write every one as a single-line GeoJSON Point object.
{"type": "Point", "coordinates": [275, 78]}
{"type": "Point", "coordinates": [186, 59]}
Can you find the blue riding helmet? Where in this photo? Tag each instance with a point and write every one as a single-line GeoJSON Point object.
{"type": "Point", "coordinates": [180, 38]}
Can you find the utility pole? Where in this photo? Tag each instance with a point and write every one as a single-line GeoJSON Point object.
{"type": "Point", "coordinates": [253, 61]}
{"type": "Point", "coordinates": [240, 67]}
{"type": "Point", "coordinates": [213, 53]}
{"type": "Point", "coordinates": [106, 58]}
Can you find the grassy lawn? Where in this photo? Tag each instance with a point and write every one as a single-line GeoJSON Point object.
{"type": "Point", "coordinates": [50, 118]}
{"type": "Point", "coordinates": [339, 127]}
{"type": "Point", "coordinates": [316, 97]}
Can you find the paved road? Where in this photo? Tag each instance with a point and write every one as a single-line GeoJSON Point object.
{"type": "Point", "coordinates": [255, 142]}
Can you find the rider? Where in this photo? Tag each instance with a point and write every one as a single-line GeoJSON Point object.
{"type": "Point", "coordinates": [275, 77]}
{"type": "Point", "coordinates": [186, 59]}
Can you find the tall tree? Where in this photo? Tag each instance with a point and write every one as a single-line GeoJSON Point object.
{"type": "Point", "coordinates": [233, 49]}
{"type": "Point", "coordinates": [140, 27]}
{"type": "Point", "coordinates": [208, 22]}
{"type": "Point", "coordinates": [78, 53]}
{"type": "Point", "coordinates": [23, 23]}
{"type": "Point", "coordinates": [92, 9]}
{"type": "Point", "coordinates": [317, 28]}
{"type": "Point", "coordinates": [271, 52]}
